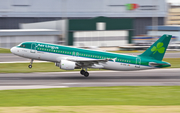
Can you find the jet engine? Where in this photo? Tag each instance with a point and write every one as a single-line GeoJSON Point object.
{"type": "Point", "coordinates": [66, 65]}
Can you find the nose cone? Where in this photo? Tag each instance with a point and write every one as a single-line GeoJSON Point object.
{"type": "Point", "coordinates": [13, 49]}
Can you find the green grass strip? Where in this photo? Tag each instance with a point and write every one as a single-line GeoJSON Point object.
{"type": "Point", "coordinates": [175, 62]}
{"type": "Point", "coordinates": [37, 67]}
{"type": "Point", "coordinates": [2, 50]}
{"type": "Point", "coordinates": [121, 95]}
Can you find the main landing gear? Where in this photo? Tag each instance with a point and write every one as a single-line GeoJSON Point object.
{"type": "Point", "coordinates": [85, 73]}
{"type": "Point", "coordinates": [30, 66]}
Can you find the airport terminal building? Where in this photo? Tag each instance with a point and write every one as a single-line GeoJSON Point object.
{"type": "Point", "coordinates": [130, 17]}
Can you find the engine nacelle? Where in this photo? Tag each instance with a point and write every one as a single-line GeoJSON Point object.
{"type": "Point", "coordinates": [66, 65]}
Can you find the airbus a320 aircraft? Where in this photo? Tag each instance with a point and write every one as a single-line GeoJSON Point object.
{"type": "Point", "coordinates": [70, 58]}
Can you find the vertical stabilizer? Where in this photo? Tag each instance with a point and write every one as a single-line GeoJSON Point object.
{"type": "Point", "coordinates": [158, 49]}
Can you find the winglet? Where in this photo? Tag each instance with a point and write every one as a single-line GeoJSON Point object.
{"type": "Point", "coordinates": [158, 49]}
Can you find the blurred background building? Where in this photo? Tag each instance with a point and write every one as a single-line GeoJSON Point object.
{"type": "Point", "coordinates": [82, 23]}
{"type": "Point", "coordinates": [173, 17]}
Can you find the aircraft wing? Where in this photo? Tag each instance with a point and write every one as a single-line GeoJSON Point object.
{"type": "Point", "coordinates": [89, 62]}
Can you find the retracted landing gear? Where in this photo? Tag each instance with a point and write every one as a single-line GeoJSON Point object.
{"type": "Point", "coordinates": [30, 66]}
{"type": "Point", "coordinates": [85, 73]}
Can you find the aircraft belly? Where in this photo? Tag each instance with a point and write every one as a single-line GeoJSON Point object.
{"type": "Point", "coordinates": [124, 66]}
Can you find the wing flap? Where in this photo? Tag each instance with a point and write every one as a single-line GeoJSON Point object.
{"type": "Point", "coordinates": [89, 62]}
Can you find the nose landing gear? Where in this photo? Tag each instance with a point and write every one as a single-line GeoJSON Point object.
{"type": "Point", "coordinates": [30, 66]}
{"type": "Point", "coordinates": [85, 73]}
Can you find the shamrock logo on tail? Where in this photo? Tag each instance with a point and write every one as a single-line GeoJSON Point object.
{"type": "Point", "coordinates": [158, 48]}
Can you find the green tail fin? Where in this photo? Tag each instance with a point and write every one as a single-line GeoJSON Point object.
{"type": "Point", "coordinates": [158, 49]}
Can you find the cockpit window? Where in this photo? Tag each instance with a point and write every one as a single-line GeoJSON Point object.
{"type": "Point", "coordinates": [19, 44]}
{"type": "Point", "coordinates": [22, 45]}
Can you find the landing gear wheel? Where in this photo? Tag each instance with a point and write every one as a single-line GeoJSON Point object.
{"type": "Point", "coordinates": [30, 66]}
{"type": "Point", "coordinates": [86, 74]}
{"type": "Point", "coordinates": [82, 72]}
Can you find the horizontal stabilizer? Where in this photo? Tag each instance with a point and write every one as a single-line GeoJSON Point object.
{"type": "Point", "coordinates": [157, 64]}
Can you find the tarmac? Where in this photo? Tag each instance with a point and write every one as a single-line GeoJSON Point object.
{"type": "Point", "coordinates": [154, 77]}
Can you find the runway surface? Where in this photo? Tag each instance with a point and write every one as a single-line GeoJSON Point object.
{"type": "Point", "coordinates": [156, 77]}
{"type": "Point", "coordinates": [10, 57]}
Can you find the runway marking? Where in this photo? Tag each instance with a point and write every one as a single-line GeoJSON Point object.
{"type": "Point", "coordinates": [116, 82]}
{"type": "Point", "coordinates": [92, 84]}
{"type": "Point", "coordinates": [71, 83]}
{"type": "Point", "coordinates": [30, 87]}
{"type": "Point", "coordinates": [22, 62]}
{"type": "Point", "coordinates": [126, 84]}
{"type": "Point", "coordinates": [109, 71]}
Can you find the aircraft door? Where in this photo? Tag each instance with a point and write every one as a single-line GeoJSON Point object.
{"type": "Point", "coordinates": [33, 48]}
{"type": "Point", "coordinates": [138, 62]}
{"type": "Point", "coordinates": [77, 54]}
{"type": "Point", "coordinates": [73, 54]}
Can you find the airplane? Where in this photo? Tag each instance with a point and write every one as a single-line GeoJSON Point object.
{"type": "Point", "coordinates": [70, 58]}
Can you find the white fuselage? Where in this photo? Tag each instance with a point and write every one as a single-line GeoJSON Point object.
{"type": "Point", "coordinates": [54, 57]}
